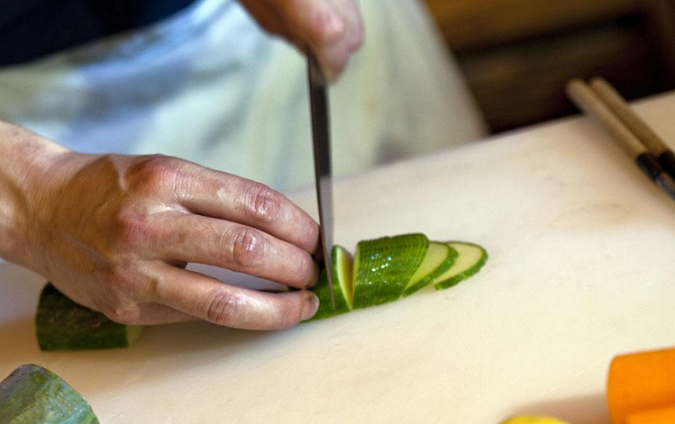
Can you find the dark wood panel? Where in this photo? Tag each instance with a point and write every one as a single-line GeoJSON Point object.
{"type": "Point", "coordinates": [517, 55]}
{"type": "Point", "coordinates": [524, 84]}
{"type": "Point", "coordinates": [471, 24]}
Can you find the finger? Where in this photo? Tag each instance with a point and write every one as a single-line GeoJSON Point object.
{"type": "Point", "coordinates": [195, 238]}
{"type": "Point", "coordinates": [351, 14]}
{"type": "Point", "coordinates": [322, 28]}
{"type": "Point", "coordinates": [228, 197]}
{"type": "Point", "coordinates": [267, 17]}
{"type": "Point", "coordinates": [156, 313]}
{"type": "Point", "coordinates": [334, 55]}
{"type": "Point", "coordinates": [213, 301]}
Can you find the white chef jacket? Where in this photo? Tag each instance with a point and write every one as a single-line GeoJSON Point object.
{"type": "Point", "coordinates": [208, 85]}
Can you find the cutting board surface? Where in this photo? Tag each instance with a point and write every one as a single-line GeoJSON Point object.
{"type": "Point", "coordinates": [581, 268]}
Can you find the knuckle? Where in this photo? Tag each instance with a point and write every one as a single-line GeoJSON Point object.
{"type": "Point", "coordinates": [262, 203]}
{"type": "Point", "coordinates": [152, 288]}
{"type": "Point", "coordinates": [119, 281]}
{"type": "Point", "coordinates": [157, 173]}
{"type": "Point", "coordinates": [224, 308]}
{"type": "Point", "coordinates": [327, 26]}
{"type": "Point", "coordinates": [132, 228]}
{"type": "Point", "coordinates": [117, 301]}
{"type": "Point", "coordinates": [247, 248]}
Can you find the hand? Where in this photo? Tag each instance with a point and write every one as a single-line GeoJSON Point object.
{"type": "Point", "coordinates": [115, 233]}
{"type": "Point", "coordinates": [332, 29]}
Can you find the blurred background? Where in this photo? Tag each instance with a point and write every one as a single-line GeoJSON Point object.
{"type": "Point", "coordinates": [517, 55]}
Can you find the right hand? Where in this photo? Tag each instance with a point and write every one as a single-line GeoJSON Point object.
{"type": "Point", "coordinates": [114, 233]}
{"type": "Point", "coordinates": [332, 29]}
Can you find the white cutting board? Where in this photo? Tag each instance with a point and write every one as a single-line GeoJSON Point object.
{"type": "Point", "coordinates": [582, 267]}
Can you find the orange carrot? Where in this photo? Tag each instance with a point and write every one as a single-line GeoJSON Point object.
{"type": "Point", "coordinates": [656, 416]}
{"type": "Point", "coordinates": [639, 383]}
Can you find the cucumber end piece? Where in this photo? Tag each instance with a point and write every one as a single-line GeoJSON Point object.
{"type": "Point", "coordinates": [134, 333]}
{"type": "Point", "coordinates": [62, 324]}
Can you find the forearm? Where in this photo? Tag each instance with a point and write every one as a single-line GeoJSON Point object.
{"type": "Point", "coordinates": [23, 157]}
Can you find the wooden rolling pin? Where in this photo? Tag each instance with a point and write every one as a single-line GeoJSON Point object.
{"type": "Point", "coordinates": [641, 388]}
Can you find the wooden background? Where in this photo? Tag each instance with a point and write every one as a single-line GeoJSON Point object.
{"type": "Point", "coordinates": [517, 55]}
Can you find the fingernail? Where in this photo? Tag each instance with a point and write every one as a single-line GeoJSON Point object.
{"type": "Point", "coordinates": [309, 306]}
{"type": "Point", "coordinates": [315, 275]}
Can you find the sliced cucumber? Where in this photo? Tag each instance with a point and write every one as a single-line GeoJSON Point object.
{"type": "Point", "coordinates": [62, 324]}
{"type": "Point", "coordinates": [381, 271]}
{"type": "Point", "coordinates": [471, 259]}
{"type": "Point", "coordinates": [439, 258]}
{"type": "Point", "coordinates": [32, 394]}
{"type": "Point", "coordinates": [383, 267]}
{"type": "Point", "coordinates": [343, 286]}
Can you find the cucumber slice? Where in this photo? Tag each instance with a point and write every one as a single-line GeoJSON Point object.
{"type": "Point", "coordinates": [471, 259]}
{"type": "Point", "coordinates": [439, 258]}
{"type": "Point", "coordinates": [343, 286]}
{"type": "Point", "coordinates": [32, 394]}
{"type": "Point", "coordinates": [383, 267]}
{"type": "Point", "coordinates": [62, 324]}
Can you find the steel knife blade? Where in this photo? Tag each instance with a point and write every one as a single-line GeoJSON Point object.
{"type": "Point", "coordinates": [318, 97]}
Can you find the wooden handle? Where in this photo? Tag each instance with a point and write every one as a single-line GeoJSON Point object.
{"type": "Point", "coordinates": [641, 387]}
{"type": "Point", "coordinates": [585, 98]}
{"type": "Point", "coordinates": [621, 109]}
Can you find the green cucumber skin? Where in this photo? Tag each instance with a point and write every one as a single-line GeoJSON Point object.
{"type": "Point", "coordinates": [386, 265]}
{"type": "Point", "coordinates": [323, 293]}
{"type": "Point", "coordinates": [62, 324]}
{"type": "Point", "coordinates": [446, 265]}
{"type": "Point", "coordinates": [453, 281]}
{"type": "Point", "coordinates": [34, 395]}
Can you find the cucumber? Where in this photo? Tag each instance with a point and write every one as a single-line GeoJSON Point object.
{"type": "Point", "coordinates": [471, 259]}
{"type": "Point", "coordinates": [386, 268]}
{"type": "Point", "coordinates": [439, 258]}
{"type": "Point", "coordinates": [62, 324]}
{"type": "Point", "coordinates": [381, 271]}
{"type": "Point", "coordinates": [34, 395]}
{"type": "Point", "coordinates": [383, 267]}
{"type": "Point", "coordinates": [343, 286]}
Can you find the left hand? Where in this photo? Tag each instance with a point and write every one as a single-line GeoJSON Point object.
{"type": "Point", "coordinates": [332, 29]}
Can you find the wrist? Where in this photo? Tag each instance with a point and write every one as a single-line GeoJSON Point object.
{"type": "Point", "coordinates": [25, 158]}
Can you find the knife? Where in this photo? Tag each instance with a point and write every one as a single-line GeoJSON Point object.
{"type": "Point", "coordinates": [318, 99]}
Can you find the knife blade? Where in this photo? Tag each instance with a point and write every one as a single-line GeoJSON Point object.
{"type": "Point", "coordinates": [318, 98]}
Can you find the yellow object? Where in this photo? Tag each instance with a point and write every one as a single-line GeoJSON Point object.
{"type": "Point", "coordinates": [533, 420]}
{"type": "Point", "coordinates": [655, 416]}
{"type": "Point", "coordinates": [640, 383]}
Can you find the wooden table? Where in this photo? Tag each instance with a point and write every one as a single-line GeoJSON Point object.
{"type": "Point", "coordinates": [581, 268]}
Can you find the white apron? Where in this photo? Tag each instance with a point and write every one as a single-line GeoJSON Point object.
{"type": "Point", "coordinates": [209, 86]}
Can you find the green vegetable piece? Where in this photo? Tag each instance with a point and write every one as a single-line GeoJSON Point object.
{"type": "Point", "coordinates": [471, 259]}
{"type": "Point", "coordinates": [343, 286]}
{"type": "Point", "coordinates": [439, 258]}
{"type": "Point", "coordinates": [62, 324]}
{"type": "Point", "coordinates": [383, 267]}
{"type": "Point", "coordinates": [34, 395]}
